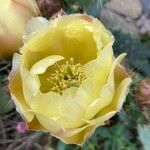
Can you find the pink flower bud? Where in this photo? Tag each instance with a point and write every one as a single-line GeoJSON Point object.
{"type": "Point", "coordinates": [22, 127]}
{"type": "Point", "coordinates": [143, 92]}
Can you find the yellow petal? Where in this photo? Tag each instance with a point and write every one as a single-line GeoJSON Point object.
{"type": "Point", "coordinates": [102, 36]}
{"type": "Point", "coordinates": [121, 93]}
{"type": "Point", "coordinates": [100, 120]}
{"type": "Point", "coordinates": [103, 61]}
{"type": "Point", "coordinates": [41, 66]}
{"type": "Point", "coordinates": [68, 114]}
{"type": "Point", "coordinates": [70, 92]}
{"type": "Point", "coordinates": [35, 125]}
{"type": "Point", "coordinates": [120, 74]}
{"type": "Point", "coordinates": [111, 77]}
{"type": "Point", "coordinates": [34, 27]}
{"type": "Point", "coordinates": [15, 86]}
{"type": "Point", "coordinates": [47, 104]}
{"type": "Point", "coordinates": [71, 113]}
{"type": "Point", "coordinates": [79, 138]}
{"type": "Point", "coordinates": [105, 99]}
{"type": "Point", "coordinates": [49, 124]}
{"type": "Point", "coordinates": [30, 84]}
{"type": "Point", "coordinates": [97, 72]}
{"type": "Point", "coordinates": [74, 136]}
{"type": "Point", "coordinates": [86, 93]}
{"type": "Point", "coordinates": [118, 99]}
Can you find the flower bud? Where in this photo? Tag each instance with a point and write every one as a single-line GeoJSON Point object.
{"type": "Point", "coordinates": [49, 7]}
{"type": "Point", "coordinates": [143, 93]}
{"type": "Point", "coordinates": [22, 127]}
{"type": "Point", "coordinates": [14, 14]}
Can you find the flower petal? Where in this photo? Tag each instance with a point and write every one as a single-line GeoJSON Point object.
{"type": "Point", "coordinates": [49, 124]}
{"type": "Point", "coordinates": [120, 74]}
{"type": "Point", "coordinates": [35, 125]}
{"type": "Point", "coordinates": [118, 99]}
{"type": "Point", "coordinates": [30, 84]}
{"type": "Point", "coordinates": [80, 137]}
{"type": "Point", "coordinates": [68, 114]}
{"type": "Point", "coordinates": [97, 72]}
{"type": "Point", "coordinates": [41, 66]}
{"type": "Point", "coordinates": [102, 36]}
{"type": "Point", "coordinates": [105, 99]}
{"type": "Point", "coordinates": [47, 104]}
{"type": "Point", "coordinates": [101, 119]}
{"type": "Point", "coordinates": [34, 26]}
{"type": "Point", "coordinates": [71, 113]}
{"type": "Point", "coordinates": [15, 85]}
{"type": "Point", "coordinates": [104, 61]}
{"type": "Point", "coordinates": [121, 93]}
{"type": "Point", "coordinates": [111, 77]}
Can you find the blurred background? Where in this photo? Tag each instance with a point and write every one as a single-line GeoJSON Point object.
{"type": "Point", "coordinates": [129, 21]}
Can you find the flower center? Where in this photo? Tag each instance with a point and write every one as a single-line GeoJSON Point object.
{"type": "Point", "coordinates": [66, 76]}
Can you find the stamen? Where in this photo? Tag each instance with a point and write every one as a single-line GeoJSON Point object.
{"type": "Point", "coordinates": [66, 76]}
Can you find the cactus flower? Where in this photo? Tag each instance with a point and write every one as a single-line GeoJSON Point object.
{"type": "Point", "coordinates": [66, 79]}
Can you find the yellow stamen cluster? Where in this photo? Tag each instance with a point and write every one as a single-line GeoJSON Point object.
{"type": "Point", "coordinates": [66, 76]}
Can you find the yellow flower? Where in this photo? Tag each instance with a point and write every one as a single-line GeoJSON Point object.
{"type": "Point", "coordinates": [66, 79]}
{"type": "Point", "coordinates": [14, 14]}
